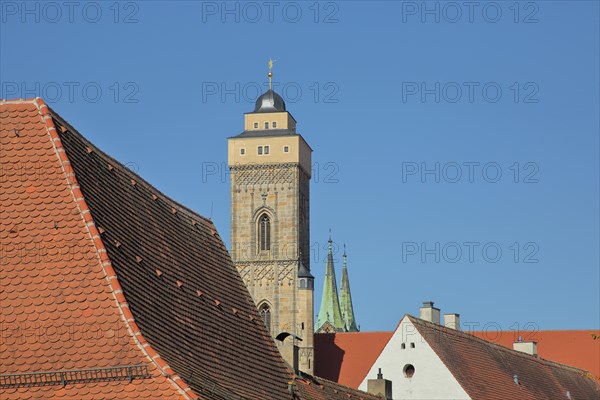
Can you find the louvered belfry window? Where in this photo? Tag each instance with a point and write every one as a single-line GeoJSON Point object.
{"type": "Point", "coordinates": [264, 231]}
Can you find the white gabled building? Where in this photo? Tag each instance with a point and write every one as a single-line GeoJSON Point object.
{"type": "Point", "coordinates": [427, 361]}
{"type": "Point", "coordinates": [414, 368]}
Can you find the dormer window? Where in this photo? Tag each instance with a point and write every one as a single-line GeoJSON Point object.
{"type": "Point", "coordinates": [266, 125]}
{"type": "Point", "coordinates": [274, 124]}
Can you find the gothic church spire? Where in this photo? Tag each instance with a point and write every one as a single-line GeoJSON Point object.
{"type": "Point", "coordinates": [330, 316]}
{"type": "Point", "coordinates": [346, 300]}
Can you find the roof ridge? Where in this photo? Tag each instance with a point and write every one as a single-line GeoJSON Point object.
{"type": "Point", "coordinates": [315, 379]}
{"type": "Point", "coordinates": [470, 336]}
{"type": "Point", "coordinates": [47, 115]}
{"type": "Point", "coordinates": [30, 100]}
{"type": "Point", "coordinates": [128, 171]}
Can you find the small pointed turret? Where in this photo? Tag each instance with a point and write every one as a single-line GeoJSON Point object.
{"type": "Point", "coordinates": [329, 313]}
{"type": "Point", "coordinates": [346, 300]}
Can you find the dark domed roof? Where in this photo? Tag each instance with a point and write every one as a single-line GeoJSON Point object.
{"type": "Point", "coordinates": [269, 102]}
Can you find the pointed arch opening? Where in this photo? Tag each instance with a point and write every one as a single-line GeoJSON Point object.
{"type": "Point", "coordinates": [265, 314]}
{"type": "Point", "coordinates": [264, 232]}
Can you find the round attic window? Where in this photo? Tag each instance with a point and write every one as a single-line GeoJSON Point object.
{"type": "Point", "coordinates": [409, 370]}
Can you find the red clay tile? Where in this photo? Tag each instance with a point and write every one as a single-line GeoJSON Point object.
{"type": "Point", "coordinates": [50, 334]}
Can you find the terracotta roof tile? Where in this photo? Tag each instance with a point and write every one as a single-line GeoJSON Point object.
{"type": "Point", "coordinates": [318, 388]}
{"type": "Point", "coordinates": [117, 390]}
{"type": "Point", "coordinates": [486, 371]}
{"type": "Point", "coordinates": [346, 358]}
{"type": "Point", "coordinates": [51, 275]}
{"type": "Point", "coordinates": [574, 348]}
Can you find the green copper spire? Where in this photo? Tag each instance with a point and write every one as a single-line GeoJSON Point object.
{"type": "Point", "coordinates": [329, 313]}
{"type": "Point", "coordinates": [346, 300]}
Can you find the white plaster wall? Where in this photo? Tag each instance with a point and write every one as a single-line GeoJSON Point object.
{"type": "Point", "coordinates": [431, 380]}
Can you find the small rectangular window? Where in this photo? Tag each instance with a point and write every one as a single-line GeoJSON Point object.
{"type": "Point", "coordinates": [274, 124]}
{"type": "Point", "coordinates": [266, 125]}
{"type": "Point", "coordinates": [256, 125]}
{"type": "Point", "coordinates": [286, 149]}
{"type": "Point", "coordinates": [242, 151]}
{"type": "Point", "coordinates": [259, 150]}
{"type": "Point", "coordinates": [266, 149]}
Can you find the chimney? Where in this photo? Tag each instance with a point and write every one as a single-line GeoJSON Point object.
{"type": "Point", "coordinates": [380, 387]}
{"type": "Point", "coordinates": [452, 321]}
{"type": "Point", "coordinates": [296, 360]}
{"type": "Point", "coordinates": [429, 313]}
{"type": "Point", "coordinates": [529, 347]}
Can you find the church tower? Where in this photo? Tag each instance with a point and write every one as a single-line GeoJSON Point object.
{"type": "Point", "coordinates": [270, 166]}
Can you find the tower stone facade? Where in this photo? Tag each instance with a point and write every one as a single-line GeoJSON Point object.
{"type": "Point", "coordinates": [270, 168]}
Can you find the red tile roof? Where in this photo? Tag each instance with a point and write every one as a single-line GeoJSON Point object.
{"type": "Point", "coordinates": [347, 357]}
{"type": "Point", "coordinates": [575, 348]}
{"type": "Point", "coordinates": [487, 371]}
{"type": "Point", "coordinates": [315, 388]}
{"type": "Point", "coordinates": [134, 276]}
{"type": "Point", "coordinates": [62, 307]}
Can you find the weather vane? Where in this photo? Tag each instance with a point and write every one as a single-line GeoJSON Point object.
{"type": "Point", "coordinates": [270, 74]}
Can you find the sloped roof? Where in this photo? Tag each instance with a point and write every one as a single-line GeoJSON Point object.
{"type": "Point", "coordinates": [59, 310]}
{"type": "Point", "coordinates": [313, 388]}
{"type": "Point", "coordinates": [575, 348]}
{"type": "Point", "coordinates": [152, 276]}
{"type": "Point", "coordinates": [346, 357]}
{"type": "Point", "coordinates": [487, 371]}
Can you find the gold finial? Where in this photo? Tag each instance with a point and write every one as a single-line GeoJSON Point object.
{"type": "Point", "coordinates": [270, 74]}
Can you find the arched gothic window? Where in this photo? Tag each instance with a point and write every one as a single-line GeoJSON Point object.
{"type": "Point", "coordinates": [264, 232]}
{"type": "Point", "coordinates": [265, 313]}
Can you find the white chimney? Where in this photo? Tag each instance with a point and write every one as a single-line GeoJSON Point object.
{"type": "Point", "coordinates": [429, 313]}
{"type": "Point", "coordinates": [529, 347]}
{"type": "Point", "coordinates": [452, 321]}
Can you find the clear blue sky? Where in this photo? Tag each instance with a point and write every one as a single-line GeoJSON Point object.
{"type": "Point", "coordinates": [382, 91]}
